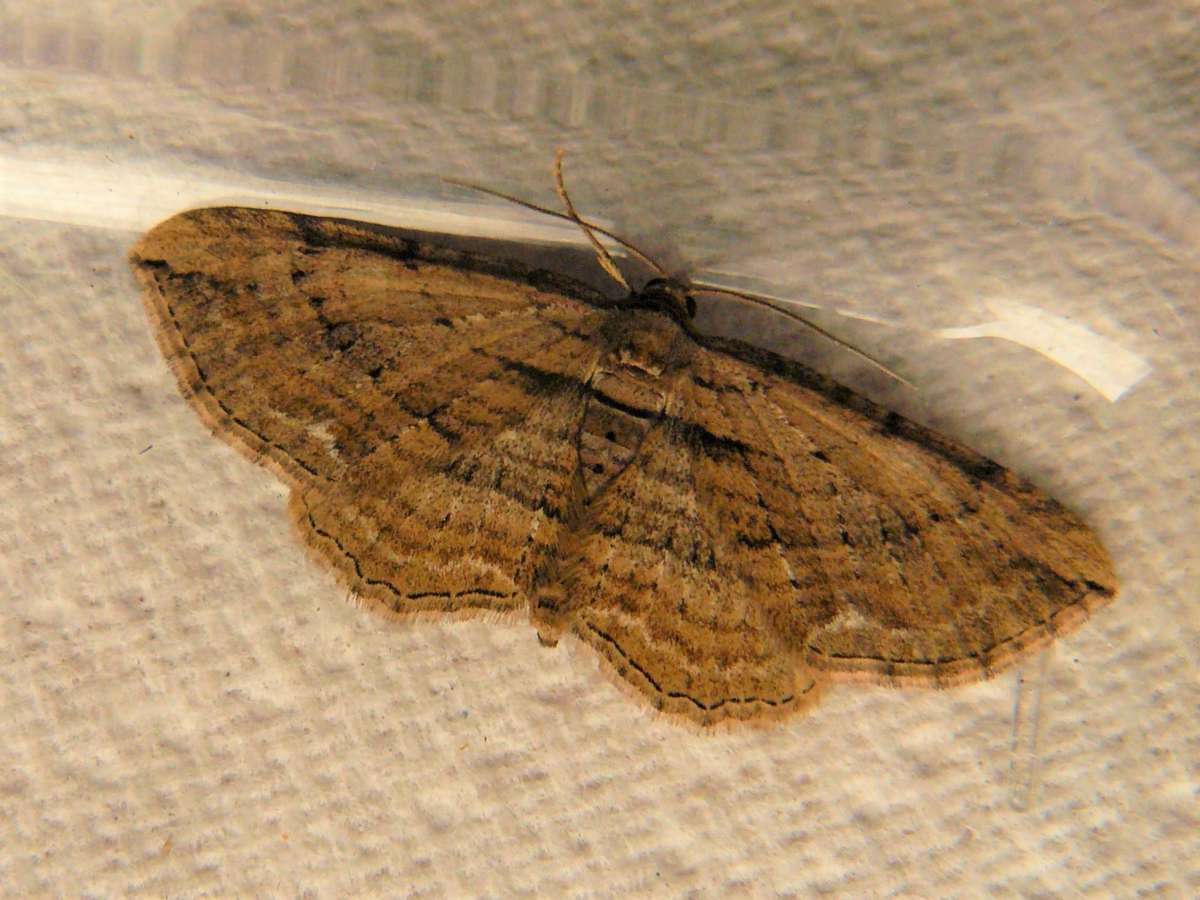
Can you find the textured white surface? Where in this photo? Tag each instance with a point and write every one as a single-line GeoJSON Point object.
{"type": "Point", "coordinates": [190, 708]}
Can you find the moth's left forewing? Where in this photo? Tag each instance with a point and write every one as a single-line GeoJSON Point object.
{"type": "Point", "coordinates": [215, 284]}
{"type": "Point", "coordinates": [422, 408]}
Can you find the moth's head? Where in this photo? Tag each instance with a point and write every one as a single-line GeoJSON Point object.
{"type": "Point", "coordinates": [669, 296]}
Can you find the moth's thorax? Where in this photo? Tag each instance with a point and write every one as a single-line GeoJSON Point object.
{"type": "Point", "coordinates": [669, 296]}
{"type": "Point", "coordinates": [627, 393]}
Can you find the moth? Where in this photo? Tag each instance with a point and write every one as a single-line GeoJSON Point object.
{"type": "Point", "coordinates": [728, 529]}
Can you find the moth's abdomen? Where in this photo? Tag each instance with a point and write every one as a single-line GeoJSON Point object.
{"type": "Point", "coordinates": [626, 398]}
{"type": "Point", "coordinates": [621, 407]}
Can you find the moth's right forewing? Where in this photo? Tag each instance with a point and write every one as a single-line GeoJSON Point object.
{"type": "Point", "coordinates": [914, 558]}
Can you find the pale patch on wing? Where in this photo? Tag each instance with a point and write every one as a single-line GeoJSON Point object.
{"type": "Point", "coordinates": [322, 432]}
{"type": "Point", "coordinates": [848, 619]}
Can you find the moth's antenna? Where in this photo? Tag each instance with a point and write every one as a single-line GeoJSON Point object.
{"type": "Point", "coordinates": [592, 226]}
{"type": "Point", "coordinates": [591, 229]}
{"type": "Point", "coordinates": [770, 304]}
{"type": "Point", "coordinates": [602, 256]}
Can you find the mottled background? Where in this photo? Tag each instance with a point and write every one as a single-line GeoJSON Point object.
{"type": "Point", "coordinates": [189, 707]}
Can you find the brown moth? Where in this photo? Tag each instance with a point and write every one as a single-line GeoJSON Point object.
{"type": "Point", "coordinates": [727, 528]}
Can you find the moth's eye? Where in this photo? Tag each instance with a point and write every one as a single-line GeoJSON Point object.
{"type": "Point", "coordinates": [691, 307]}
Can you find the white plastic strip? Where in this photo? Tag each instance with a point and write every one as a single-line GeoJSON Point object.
{"type": "Point", "coordinates": [1104, 364]}
{"type": "Point", "coordinates": [97, 194]}
{"type": "Point", "coordinates": [1100, 361]}
{"type": "Point", "coordinates": [101, 194]}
